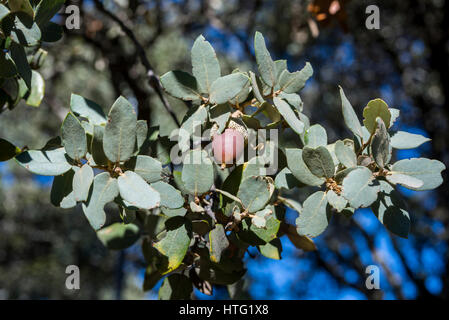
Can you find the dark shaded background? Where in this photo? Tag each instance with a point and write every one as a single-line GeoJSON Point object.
{"type": "Point", "coordinates": [405, 63]}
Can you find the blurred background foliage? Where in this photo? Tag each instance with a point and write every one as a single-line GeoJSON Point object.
{"type": "Point", "coordinates": [406, 63]}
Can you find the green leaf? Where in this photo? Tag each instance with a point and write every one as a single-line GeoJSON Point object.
{"type": "Point", "coordinates": [406, 140]}
{"type": "Point", "coordinates": [280, 66]}
{"type": "Point", "coordinates": [351, 120]}
{"type": "Point", "coordinates": [295, 81]}
{"type": "Point", "coordinates": [259, 236]}
{"type": "Point", "coordinates": [314, 217]}
{"type": "Point", "coordinates": [226, 88]}
{"type": "Point", "coordinates": [205, 65]}
{"type": "Point", "coordinates": [46, 9]}
{"type": "Point", "coordinates": [176, 287]}
{"type": "Point", "coordinates": [119, 236]}
{"type": "Point", "coordinates": [319, 161]}
{"type": "Point", "coordinates": [37, 89]}
{"type": "Point", "coordinates": [147, 167]}
{"type": "Point", "coordinates": [20, 59]}
{"type": "Point", "coordinates": [21, 6]}
{"type": "Point", "coordinates": [191, 124]}
{"type": "Point", "coordinates": [265, 64]}
{"type": "Point", "coordinates": [97, 146]}
{"type": "Point", "coordinates": [104, 190]}
{"type": "Point", "coordinates": [426, 170]}
{"type": "Point", "coordinates": [272, 249]}
{"type": "Point", "coordinates": [300, 242]}
{"type": "Point", "coordinates": [7, 66]}
{"type": "Point", "coordinates": [256, 91]}
{"type": "Point", "coordinates": [51, 32]}
{"type": "Point", "coordinates": [293, 99]}
{"type": "Point", "coordinates": [336, 201]}
{"type": "Point", "coordinates": [120, 131]}
{"type": "Point", "coordinates": [220, 115]}
{"type": "Point", "coordinates": [254, 193]}
{"type": "Point", "coordinates": [390, 210]}
{"type": "Point", "coordinates": [287, 113]}
{"type": "Point", "coordinates": [87, 109]}
{"type": "Point", "coordinates": [174, 212]}
{"type": "Point", "coordinates": [44, 162]}
{"type": "Point", "coordinates": [293, 204]}
{"type": "Point", "coordinates": [345, 154]}
{"type": "Point", "coordinates": [22, 29]}
{"type": "Point", "coordinates": [359, 188]}
{"type": "Point", "coordinates": [197, 172]}
{"type": "Point", "coordinates": [4, 11]}
{"type": "Point", "coordinates": [82, 180]}
{"type": "Point", "coordinates": [394, 115]}
{"type": "Point", "coordinates": [259, 219]}
{"type": "Point", "coordinates": [285, 179]}
{"type": "Point", "coordinates": [73, 137]}
{"type": "Point", "coordinates": [218, 242]}
{"type": "Point", "coordinates": [170, 196]}
{"type": "Point", "coordinates": [316, 136]}
{"type": "Point", "coordinates": [406, 181]}
{"type": "Point", "coordinates": [137, 192]}
{"type": "Point", "coordinates": [299, 169]}
{"type": "Point", "coordinates": [380, 144]}
{"type": "Point", "coordinates": [210, 272]}
{"type": "Point", "coordinates": [7, 150]}
{"type": "Point", "coordinates": [376, 108]}
{"type": "Point", "coordinates": [175, 243]}
{"type": "Point", "coordinates": [141, 133]}
{"type": "Point", "coordinates": [61, 194]}
{"type": "Point", "coordinates": [181, 85]}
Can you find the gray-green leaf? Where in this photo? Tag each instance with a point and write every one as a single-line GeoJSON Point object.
{"type": "Point", "coordinates": [315, 216]}
{"type": "Point", "coordinates": [351, 120]}
{"type": "Point", "coordinates": [319, 161]}
{"type": "Point", "coordinates": [104, 190]}
{"type": "Point", "coordinates": [137, 192]}
{"type": "Point", "coordinates": [295, 81]}
{"type": "Point", "coordinates": [197, 172]}
{"type": "Point", "coordinates": [345, 154]}
{"type": "Point", "coordinates": [287, 113]}
{"type": "Point", "coordinates": [44, 162]}
{"type": "Point", "coordinates": [82, 181]}
{"type": "Point", "coordinates": [226, 88]}
{"type": "Point", "coordinates": [336, 201]}
{"type": "Point", "coordinates": [181, 85]}
{"type": "Point", "coordinates": [120, 131]}
{"type": "Point", "coordinates": [147, 167]}
{"type": "Point", "coordinates": [316, 136]}
{"type": "Point", "coordinates": [265, 64]}
{"type": "Point", "coordinates": [407, 140]}
{"type": "Point", "coordinates": [218, 242]}
{"type": "Point", "coordinates": [119, 236]}
{"type": "Point", "coordinates": [390, 210]}
{"type": "Point", "coordinates": [380, 144]}
{"type": "Point", "coordinates": [170, 196]}
{"type": "Point", "coordinates": [426, 170]}
{"type": "Point", "coordinates": [359, 188]}
{"type": "Point", "coordinates": [87, 109]}
{"type": "Point", "coordinates": [205, 65]}
{"type": "Point", "coordinates": [254, 192]}
{"type": "Point", "coordinates": [73, 137]}
{"type": "Point", "coordinates": [299, 169]}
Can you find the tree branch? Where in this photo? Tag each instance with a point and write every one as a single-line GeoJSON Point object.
{"type": "Point", "coordinates": [153, 79]}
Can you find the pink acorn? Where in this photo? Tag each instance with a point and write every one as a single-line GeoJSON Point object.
{"type": "Point", "coordinates": [228, 146]}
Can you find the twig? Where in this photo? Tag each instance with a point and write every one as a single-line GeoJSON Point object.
{"type": "Point", "coordinates": [153, 79]}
